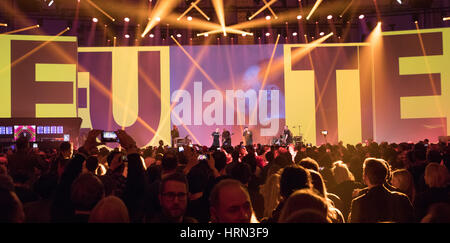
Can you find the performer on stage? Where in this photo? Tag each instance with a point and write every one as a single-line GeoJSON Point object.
{"type": "Point", "coordinates": [216, 135]}
{"type": "Point", "coordinates": [287, 136]}
{"type": "Point", "coordinates": [226, 138]}
{"type": "Point", "coordinates": [174, 134]}
{"type": "Point", "coordinates": [248, 136]}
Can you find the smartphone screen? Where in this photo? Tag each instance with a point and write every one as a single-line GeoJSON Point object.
{"type": "Point", "coordinates": [108, 136]}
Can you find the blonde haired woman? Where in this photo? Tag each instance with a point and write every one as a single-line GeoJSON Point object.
{"type": "Point", "coordinates": [271, 193]}
{"type": "Point", "coordinates": [436, 178]}
{"type": "Point", "coordinates": [345, 184]}
{"type": "Point", "coordinates": [403, 180]}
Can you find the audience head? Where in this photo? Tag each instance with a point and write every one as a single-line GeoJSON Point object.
{"type": "Point", "coordinates": [220, 160]}
{"type": "Point", "coordinates": [341, 172]}
{"type": "Point", "coordinates": [241, 172]}
{"type": "Point", "coordinates": [169, 162]}
{"type": "Point", "coordinates": [87, 190]}
{"type": "Point", "coordinates": [307, 216]}
{"type": "Point", "coordinates": [419, 152]}
{"type": "Point", "coordinates": [309, 163]}
{"type": "Point", "coordinates": [22, 143]}
{"type": "Point", "coordinates": [173, 196]}
{"type": "Point", "coordinates": [110, 209]}
{"type": "Point", "coordinates": [436, 175]}
{"type": "Point", "coordinates": [301, 200]}
{"type": "Point", "coordinates": [404, 181]}
{"type": "Point", "coordinates": [197, 179]}
{"type": "Point", "coordinates": [318, 183]}
{"type": "Point", "coordinates": [230, 203]}
{"type": "Point", "coordinates": [11, 209]}
{"type": "Point", "coordinates": [271, 193]}
{"type": "Point", "coordinates": [294, 178]}
{"type": "Point", "coordinates": [374, 171]}
{"type": "Point", "coordinates": [66, 149]}
{"type": "Point", "coordinates": [92, 164]}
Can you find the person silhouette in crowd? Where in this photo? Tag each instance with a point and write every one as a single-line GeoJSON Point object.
{"type": "Point", "coordinates": [379, 204]}
{"type": "Point", "coordinates": [173, 198]}
{"type": "Point", "coordinates": [230, 203]}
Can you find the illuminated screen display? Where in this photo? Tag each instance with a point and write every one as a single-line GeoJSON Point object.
{"type": "Point", "coordinates": [28, 131]}
{"type": "Point", "coordinates": [355, 91]}
{"type": "Point", "coordinates": [9, 130]}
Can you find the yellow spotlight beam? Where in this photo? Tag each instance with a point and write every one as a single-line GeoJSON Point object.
{"type": "Point", "coordinates": [162, 9]}
{"type": "Point", "coordinates": [218, 7]}
{"type": "Point", "coordinates": [201, 12]}
{"type": "Point", "coordinates": [228, 29]}
{"type": "Point", "coordinates": [376, 8]}
{"type": "Point", "coordinates": [262, 9]}
{"type": "Point", "coordinates": [20, 30]}
{"type": "Point", "coordinates": [3, 24]}
{"type": "Point", "coordinates": [278, 65]}
{"type": "Point", "coordinates": [266, 74]}
{"type": "Point", "coordinates": [101, 10]}
{"type": "Point", "coordinates": [196, 64]}
{"type": "Point", "coordinates": [271, 10]}
{"type": "Point", "coordinates": [189, 9]}
{"type": "Point", "coordinates": [446, 18]}
{"type": "Point", "coordinates": [430, 76]}
{"type": "Point", "coordinates": [316, 5]}
{"type": "Point", "coordinates": [269, 65]}
{"type": "Point", "coordinates": [346, 8]}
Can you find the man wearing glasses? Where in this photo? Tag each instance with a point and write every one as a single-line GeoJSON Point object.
{"type": "Point", "coordinates": [173, 198]}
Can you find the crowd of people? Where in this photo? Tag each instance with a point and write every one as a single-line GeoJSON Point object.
{"type": "Point", "coordinates": [363, 183]}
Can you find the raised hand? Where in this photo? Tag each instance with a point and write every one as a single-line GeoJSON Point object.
{"type": "Point", "coordinates": [90, 145]}
{"type": "Point", "coordinates": [116, 162]}
{"type": "Point", "coordinates": [126, 141]}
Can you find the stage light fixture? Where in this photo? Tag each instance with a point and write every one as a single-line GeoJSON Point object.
{"type": "Point", "coordinates": [127, 36]}
{"type": "Point", "coordinates": [158, 19]}
{"type": "Point", "coordinates": [322, 33]}
{"type": "Point", "coordinates": [299, 17]}
{"type": "Point", "coordinates": [4, 24]}
{"type": "Point", "coordinates": [294, 34]}
{"type": "Point", "coordinates": [446, 18]}
{"type": "Point", "coordinates": [126, 19]}
{"type": "Point", "coordinates": [399, 1]}
{"type": "Point", "coordinates": [151, 35]}
{"type": "Point", "coordinates": [268, 17]}
{"type": "Point", "coordinates": [361, 16]}
{"type": "Point", "coordinates": [206, 35]}
{"type": "Point", "coordinates": [244, 34]}
{"type": "Point", "coordinates": [329, 17]}
{"type": "Point", "coordinates": [267, 34]}
{"type": "Point", "coordinates": [267, 5]}
{"type": "Point", "coordinates": [189, 18]}
{"type": "Point", "coordinates": [178, 35]}
{"type": "Point", "coordinates": [51, 3]}
{"type": "Point", "coordinates": [95, 20]}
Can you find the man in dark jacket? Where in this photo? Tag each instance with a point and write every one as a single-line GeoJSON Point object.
{"type": "Point", "coordinates": [379, 204]}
